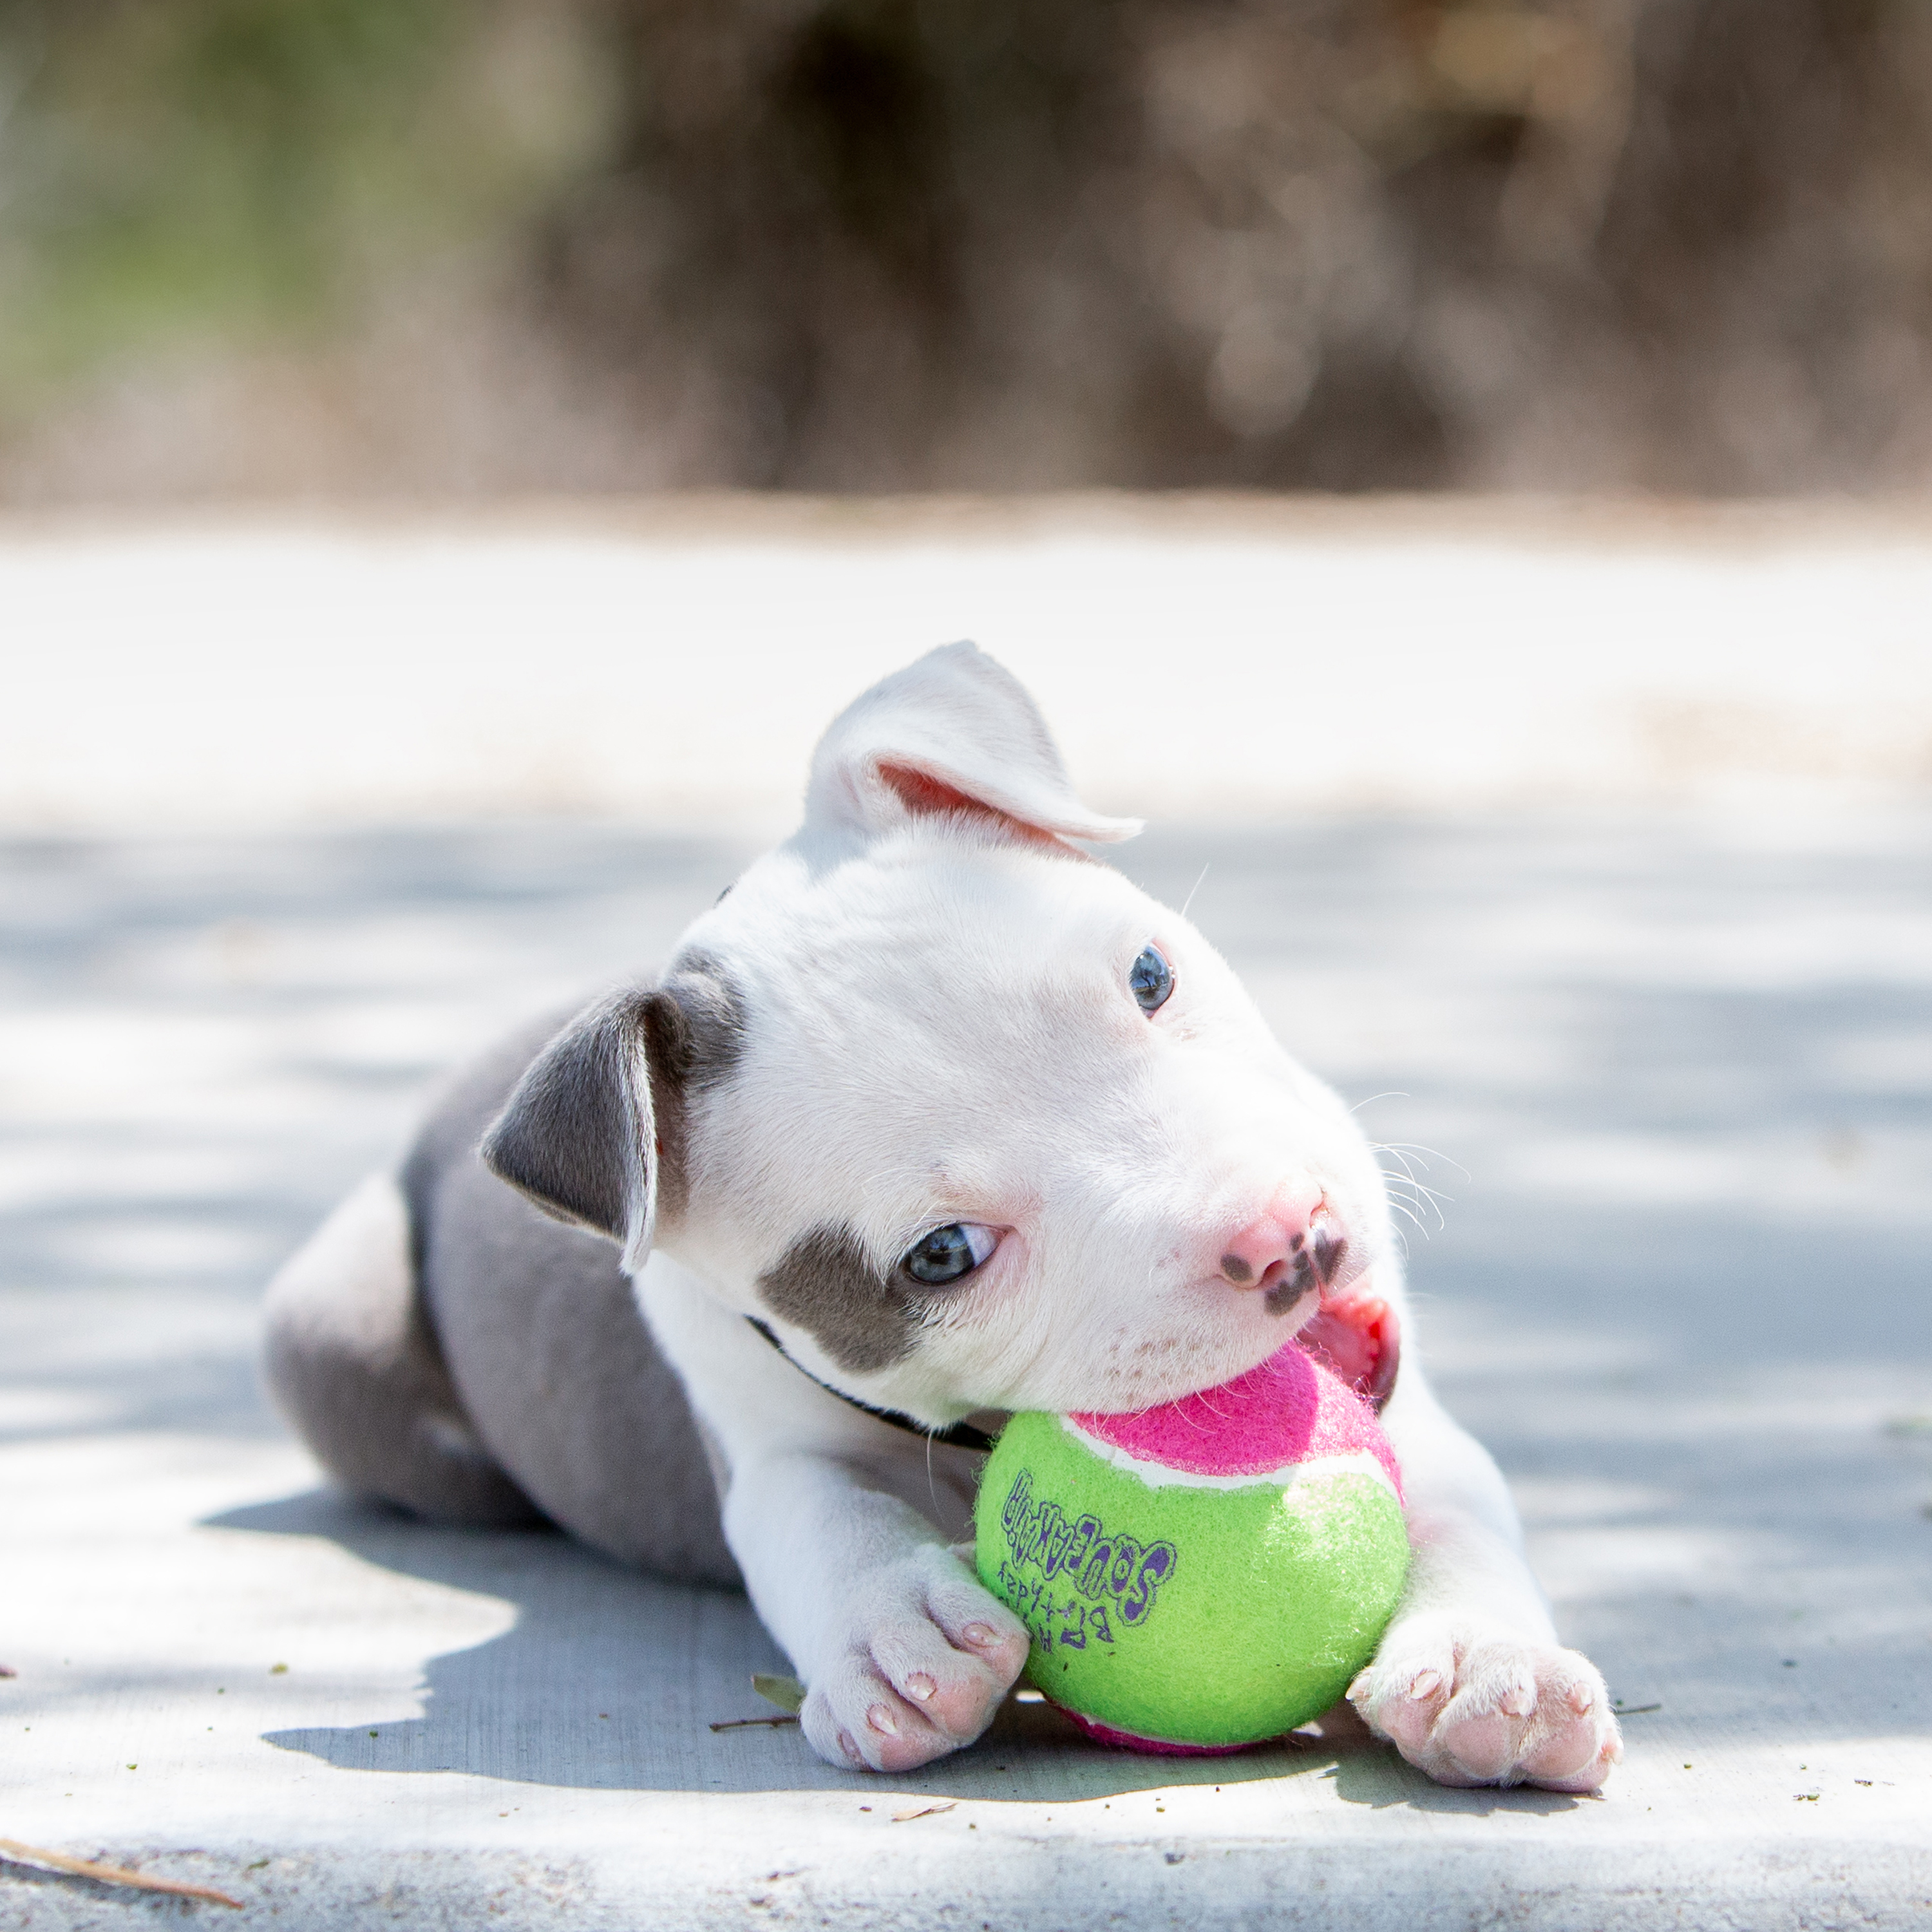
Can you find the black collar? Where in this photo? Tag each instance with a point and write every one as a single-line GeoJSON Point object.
{"type": "Point", "coordinates": [960, 1435]}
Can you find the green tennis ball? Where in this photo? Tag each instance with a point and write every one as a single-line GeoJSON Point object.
{"type": "Point", "coordinates": [1204, 1575]}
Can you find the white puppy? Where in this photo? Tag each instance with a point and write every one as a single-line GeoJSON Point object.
{"type": "Point", "coordinates": [933, 1118]}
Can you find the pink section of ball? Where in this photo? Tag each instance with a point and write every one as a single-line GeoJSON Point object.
{"type": "Point", "coordinates": [1105, 1734]}
{"type": "Point", "coordinates": [1288, 1410]}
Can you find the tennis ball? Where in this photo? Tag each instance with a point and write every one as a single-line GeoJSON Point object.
{"type": "Point", "coordinates": [1204, 1575]}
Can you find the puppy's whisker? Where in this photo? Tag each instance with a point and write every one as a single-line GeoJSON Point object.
{"type": "Point", "coordinates": [1403, 1191]}
{"type": "Point", "coordinates": [1416, 1206]}
{"type": "Point", "coordinates": [1413, 1196]}
{"type": "Point", "coordinates": [1437, 1202]}
{"type": "Point", "coordinates": [1424, 1154]}
{"type": "Point", "coordinates": [1402, 1208]}
{"type": "Point", "coordinates": [1401, 1160]}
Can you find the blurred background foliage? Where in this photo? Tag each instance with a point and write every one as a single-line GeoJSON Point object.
{"type": "Point", "coordinates": [452, 246]}
{"type": "Point", "coordinates": [175, 170]}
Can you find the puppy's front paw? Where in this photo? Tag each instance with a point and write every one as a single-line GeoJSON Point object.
{"type": "Point", "coordinates": [928, 1659]}
{"type": "Point", "coordinates": [1471, 1706]}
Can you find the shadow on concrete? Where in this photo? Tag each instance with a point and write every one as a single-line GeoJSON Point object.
{"type": "Point", "coordinates": [611, 1680]}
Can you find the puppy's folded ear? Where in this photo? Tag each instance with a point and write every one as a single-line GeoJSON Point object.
{"type": "Point", "coordinates": [953, 733]}
{"type": "Point", "coordinates": [576, 1134]}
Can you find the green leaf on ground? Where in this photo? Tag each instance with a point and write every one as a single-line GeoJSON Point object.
{"type": "Point", "coordinates": [786, 1692]}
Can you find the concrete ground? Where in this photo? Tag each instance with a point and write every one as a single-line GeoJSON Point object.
{"type": "Point", "coordinates": [1679, 1072]}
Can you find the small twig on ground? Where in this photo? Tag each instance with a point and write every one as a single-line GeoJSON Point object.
{"type": "Point", "coordinates": [931, 1811]}
{"type": "Point", "coordinates": [114, 1874]}
{"type": "Point", "coordinates": [1633, 1710]}
{"type": "Point", "coordinates": [786, 1692]}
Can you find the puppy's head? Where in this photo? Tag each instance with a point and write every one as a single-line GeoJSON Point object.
{"type": "Point", "coordinates": [969, 1119]}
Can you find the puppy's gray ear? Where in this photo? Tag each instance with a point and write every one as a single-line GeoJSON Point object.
{"type": "Point", "coordinates": [577, 1135]}
{"type": "Point", "coordinates": [954, 732]}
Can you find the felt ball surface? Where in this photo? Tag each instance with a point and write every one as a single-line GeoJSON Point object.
{"type": "Point", "coordinates": [1205, 1574]}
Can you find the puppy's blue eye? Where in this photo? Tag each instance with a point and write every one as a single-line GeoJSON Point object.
{"type": "Point", "coordinates": [1152, 979]}
{"type": "Point", "coordinates": [948, 1254]}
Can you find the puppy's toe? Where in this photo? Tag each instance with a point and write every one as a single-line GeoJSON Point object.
{"type": "Point", "coordinates": [955, 1683]}
{"type": "Point", "coordinates": [1560, 1755]}
{"type": "Point", "coordinates": [857, 1720]}
{"type": "Point", "coordinates": [1576, 1739]}
{"type": "Point", "coordinates": [1482, 1746]}
{"type": "Point", "coordinates": [1401, 1699]}
{"type": "Point", "coordinates": [1576, 1755]}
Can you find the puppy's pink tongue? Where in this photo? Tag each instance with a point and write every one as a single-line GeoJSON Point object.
{"type": "Point", "coordinates": [1357, 1338]}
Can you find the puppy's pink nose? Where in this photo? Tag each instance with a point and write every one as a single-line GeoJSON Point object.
{"type": "Point", "coordinates": [1292, 1245]}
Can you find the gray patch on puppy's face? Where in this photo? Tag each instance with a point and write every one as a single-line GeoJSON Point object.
{"type": "Point", "coordinates": [694, 1023]}
{"type": "Point", "coordinates": [698, 1021]}
{"type": "Point", "coordinates": [823, 1282]}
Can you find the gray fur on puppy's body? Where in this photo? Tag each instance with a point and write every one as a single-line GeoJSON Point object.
{"type": "Point", "coordinates": [527, 1315]}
